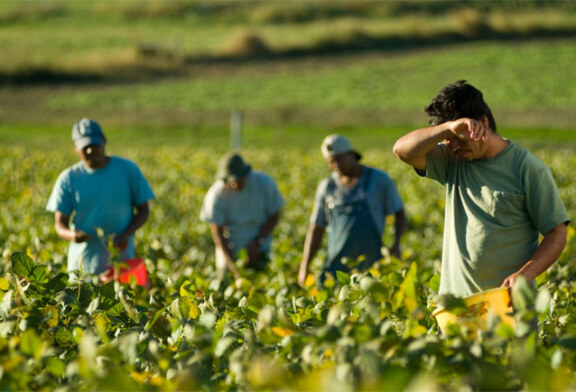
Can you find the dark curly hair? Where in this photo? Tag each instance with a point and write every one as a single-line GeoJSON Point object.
{"type": "Point", "coordinates": [459, 100]}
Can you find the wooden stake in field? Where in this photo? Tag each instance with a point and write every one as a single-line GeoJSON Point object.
{"type": "Point", "coordinates": [236, 130]}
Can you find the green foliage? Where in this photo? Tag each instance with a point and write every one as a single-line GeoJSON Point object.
{"type": "Point", "coordinates": [195, 331]}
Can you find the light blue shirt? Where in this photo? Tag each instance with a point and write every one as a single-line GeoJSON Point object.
{"type": "Point", "coordinates": [99, 200]}
{"type": "Point", "coordinates": [243, 212]}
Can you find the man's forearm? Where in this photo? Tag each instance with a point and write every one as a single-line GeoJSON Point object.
{"type": "Point", "coordinates": [399, 226]}
{"type": "Point", "coordinates": [65, 233]}
{"type": "Point", "coordinates": [269, 225]}
{"type": "Point", "coordinates": [413, 147]}
{"type": "Point", "coordinates": [311, 246]}
{"type": "Point", "coordinates": [138, 220]}
{"type": "Point", "coordinates": [547, 253]}
{"type": "Point", "coordinates": [221, 242]}
{"type": "Point", "coordinates": [62, 225]}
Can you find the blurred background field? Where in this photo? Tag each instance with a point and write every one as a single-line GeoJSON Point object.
{"type": "Point", "coordinates": [179, 68]}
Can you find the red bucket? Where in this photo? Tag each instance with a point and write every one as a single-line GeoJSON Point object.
{"type": "Point", "coordinates": [129, 269]}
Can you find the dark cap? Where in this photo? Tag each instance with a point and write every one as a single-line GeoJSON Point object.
{"type": "Point", "coordinates": [232, 167]}
{"type": "Point", "coordinates": [87, 132]}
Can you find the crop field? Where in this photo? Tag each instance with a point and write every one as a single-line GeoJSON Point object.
{"type": "Point", "coordinates": [163, 78]}
{"type": "Point", "coordinates": [194, 331]}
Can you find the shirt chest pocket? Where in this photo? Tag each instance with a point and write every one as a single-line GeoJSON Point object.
{"type": "Point", "coordinates": [509, 208]}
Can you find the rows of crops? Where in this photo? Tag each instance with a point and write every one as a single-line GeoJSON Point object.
{"type": "Point", "coordinates": [191, 330]}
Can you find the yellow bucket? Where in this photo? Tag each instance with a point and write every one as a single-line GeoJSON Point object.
{"type": "Point", "coordinates": [495, 301]}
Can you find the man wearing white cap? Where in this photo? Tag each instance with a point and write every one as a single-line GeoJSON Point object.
{"type": "Point", "coordinates": [242, 208]}
{"type": "Point", "coordinates": [107, 196]}
{"type": "Point", "coordinates": [353, 204]}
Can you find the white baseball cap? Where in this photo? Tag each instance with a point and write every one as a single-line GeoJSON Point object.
{"type": "Point", "coordinates": [336, 144]}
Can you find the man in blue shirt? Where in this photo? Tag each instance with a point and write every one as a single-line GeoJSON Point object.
{"type": "Point", "coordinates": [99, 198]}
{"type": "Point", "coordinates": [353, 204]}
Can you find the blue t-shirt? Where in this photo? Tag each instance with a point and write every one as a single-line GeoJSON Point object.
{"type": "Point", "coordinates": [381, 195]}
{"type": "Point", "coordinates": [101, 203]}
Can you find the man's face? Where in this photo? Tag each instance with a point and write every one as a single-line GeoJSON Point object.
{"type": "Point", "coordinates": [469, 150]}
{"type": "Point", "coordinates": [236, 185]}
{"type": "Point", "coordinates": [94, 156]}
{"type": "Point", "coordinates": [344, 163]}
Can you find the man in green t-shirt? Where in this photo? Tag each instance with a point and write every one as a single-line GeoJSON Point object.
{"type": "Point", "coordinates": [499, 196]}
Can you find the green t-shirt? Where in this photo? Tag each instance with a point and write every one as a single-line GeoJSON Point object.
{"type": "Point", "coordinates": [495, 210]}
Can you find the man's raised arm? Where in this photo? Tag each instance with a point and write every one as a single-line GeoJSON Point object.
{"type": "Point", "coordinates": [413, 147]}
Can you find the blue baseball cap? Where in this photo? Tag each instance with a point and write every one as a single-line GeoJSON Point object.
{"type": "Point", "coordinates": [87, 132]}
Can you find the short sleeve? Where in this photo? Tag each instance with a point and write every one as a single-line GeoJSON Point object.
{"type": "Point", "coordinates": [390, 197]}
{"type": "Point", "coordinates": [274, 198]}
{"type": "Point", "coordinates": [437, 162]}
{"type": "Point", "coordinates": [213, 207]}
{"type": "Point", "coordinates": [141, 190]}
{"type": "Point", "coordinates": [61, 198]}
{"type": "Point", "coordinates": [543, 199]}
{"type": "Point", "coordinates": [318, 216]}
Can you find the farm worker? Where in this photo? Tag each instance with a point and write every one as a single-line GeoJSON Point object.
{"type": "Point", "coordinates": [242, 208]}
{"type": "Point", "coordinates": [352, 204]}
{"type": "Point", "coordinates": [99, 198]}
{"type": "Point", "coordinates": [499, 197]}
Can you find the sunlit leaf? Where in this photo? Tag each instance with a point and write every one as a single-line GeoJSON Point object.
{"type": "Point", "coordinates": [39, 275]}
{"type": "Point", "coordinates": [407, 295]}
{"type": "Point", "coordinates": [543, 299]}
{"type": "Point", "coordinates": [6, 305]}
{"type": "Point", "coordinates": [523, 294]}
{"type": "Point", "coordinates": [183, 289]}
{"type": "Point", "coordinates": [22, 264]}
{"type": "Point", "coordinates": [55, 366]}
{"type": "Point", "coordinates": [4, 284]}
{"type": "Point", "coordinates": [343, 277]}
{"type": "Point", "coordinates": [51, 316]}
{"type": "Point", "coordinates": [310, 280]}
{"type": "Point", "coordinates": [6, 328]}
{"type": "Point", "coordinates": [556, 359]}
{"type": "Point", "coordinates": [193, 311]}
{"type": "Point", "coordinates": [282, 332]}
{"type": "Point", "coordinates": [64, 337]}
{"type": "Point", "coordinates": [31, 344]}
{"type": "Point", "coordinates": [223, 345]}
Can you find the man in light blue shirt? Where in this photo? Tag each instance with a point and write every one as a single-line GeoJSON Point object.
{"type": "Point", "coordinates": [99, 198]}
{"type": "Point", "coordinates": [242, 208]}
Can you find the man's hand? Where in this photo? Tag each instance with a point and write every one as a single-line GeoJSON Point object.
{"type": "Point", "coordinates": [547, 253]}
{"type": "Point", "coordinates": [469, 129]}
{"type": "Point", "coordinates": [121, 241]}
{"type": "Point", "coordinates": [253, 250]}
{"type": "Point", "coordinates": [80, 236]}
{"type": "Point", "coordinates": [395, 251]}
{"type": "Point", "coordinates": [302, 274]}
{"type": "Point", "coordinates": [509, 281]}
